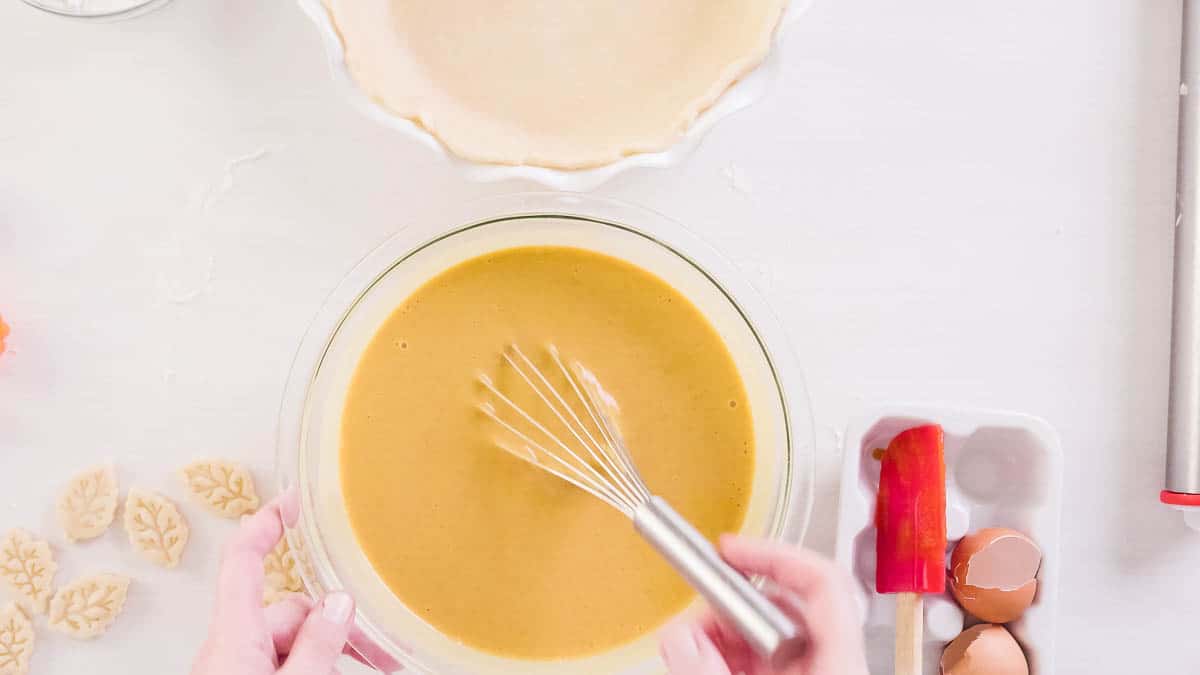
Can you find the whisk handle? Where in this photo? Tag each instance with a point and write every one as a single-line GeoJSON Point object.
{"type": "Point", "coordinates": [766, 628]}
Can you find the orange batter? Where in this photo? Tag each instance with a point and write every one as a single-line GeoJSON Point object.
{"type": "Point", "coordinates": [488, 549]}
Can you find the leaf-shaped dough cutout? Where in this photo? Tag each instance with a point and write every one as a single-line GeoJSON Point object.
{"type": "Point", "coordinates": [27, 567]}
{"type": "Point", "coordinates": [282, 578]}
{"type": "Point", "coordinates": [227, 489]}
{"type": "Point", "coordinates": [16, 640]}
{"type": "Point", "coordinates": [303, 562]}
{"type": "Point", "coordinates": [88, 503]}
{"type": "Point", "coordinates": [86, 607]}
{"type": "Point", "coordinates": [156, 528]}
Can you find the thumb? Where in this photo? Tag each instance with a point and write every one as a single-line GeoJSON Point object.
{"type": "Point", "coordinates": [322, 637]}
{"type": "Point", "coordinates": [687, 650]}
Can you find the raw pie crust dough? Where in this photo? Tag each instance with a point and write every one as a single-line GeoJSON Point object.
{"type": "Point", "coordinates": [88, 504]}
{"type": "Point", "coordinates": [16, 640]}
{"type": "Point", "coordinates": [280, 576]}
{"type": "Point", "coordinates": [551, 83]}
{"type": "Point", "coordinates": [225, 488]}
{"type": "Point", "coordinates": [156, 528]}
{"type": "Point", "coordinates": [86, 607]}
{"type": "Point", "coordinates": [27, 568]}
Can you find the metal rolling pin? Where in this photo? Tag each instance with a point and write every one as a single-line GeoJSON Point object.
{"type": "Point", "coordinates": [1182, 489]}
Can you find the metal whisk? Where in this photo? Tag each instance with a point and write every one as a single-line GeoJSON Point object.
{"type": "Point", "coordinates": [592, 456]}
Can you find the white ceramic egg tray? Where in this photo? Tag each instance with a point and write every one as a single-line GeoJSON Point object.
{"type": "Point", "coordinates": [1003, 469]}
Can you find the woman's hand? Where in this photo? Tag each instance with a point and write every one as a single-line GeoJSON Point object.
{"type": "Point", "coordinates": [708, 646]}
{"type": "Point", "coordinates": [290, 637]}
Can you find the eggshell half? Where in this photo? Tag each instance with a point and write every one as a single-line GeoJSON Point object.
{"type": "Point", "coordinates": [993, 574]}
{"type": "Point", "coordinates": [984, 649]}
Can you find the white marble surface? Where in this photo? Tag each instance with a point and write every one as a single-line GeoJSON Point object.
{"type": "Point", "coordinates": [945, 201]}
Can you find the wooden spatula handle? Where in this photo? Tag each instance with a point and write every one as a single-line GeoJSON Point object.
{"type": "Point", "coordinates": [910, 623]}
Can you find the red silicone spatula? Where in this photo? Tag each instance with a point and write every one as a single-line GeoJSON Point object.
{"type": "Point", "coordinates": [910, 522]}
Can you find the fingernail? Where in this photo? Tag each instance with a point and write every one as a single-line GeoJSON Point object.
{"type": "Point", "coordinates": [337, 607]}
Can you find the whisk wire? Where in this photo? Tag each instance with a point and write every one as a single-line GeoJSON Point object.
{"type": "Point", "coordinates": [597, 488]}
{"type": "Point", "coordinates": [613, 448]}
{"type": "Point", "coordinates": [604, 452]}
{"type": "Point", "coordinates": [579, 470]}
{"type": "Point", "coordinates": [548, 387]}
{"type": "Point", "coordinates": [617, 481]}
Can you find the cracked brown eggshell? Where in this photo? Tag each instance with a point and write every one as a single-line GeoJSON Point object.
{"type": "Point", "coordinates": [984, 649]}
{"type": "Point", "coordinates": [993, 574]}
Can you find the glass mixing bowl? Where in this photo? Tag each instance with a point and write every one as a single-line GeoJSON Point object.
{"type": "Point", "coordinates": [327, 553]}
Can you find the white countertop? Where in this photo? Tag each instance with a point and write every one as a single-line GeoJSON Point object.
{"type": "Point", "coordinates": [961, 202]}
